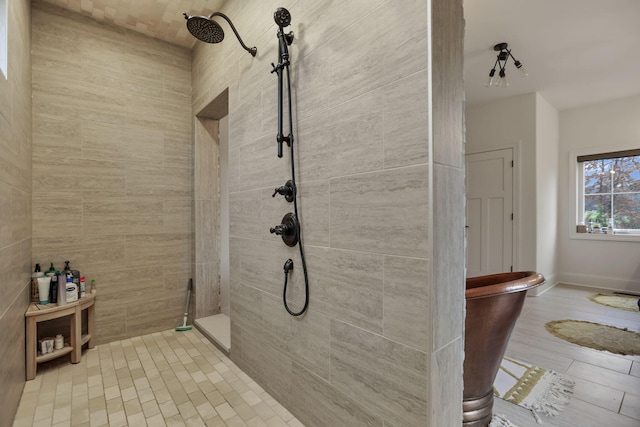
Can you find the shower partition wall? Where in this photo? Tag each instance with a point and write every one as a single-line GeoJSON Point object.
{"type": "Point", "coordinates": [379, 138]}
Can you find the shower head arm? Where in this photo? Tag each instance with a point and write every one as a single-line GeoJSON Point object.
{"type": "Point", "coordinates": [252, 50]}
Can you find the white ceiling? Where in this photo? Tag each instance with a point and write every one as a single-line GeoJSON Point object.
{"type": "Point", "coordinates": [577, 52]}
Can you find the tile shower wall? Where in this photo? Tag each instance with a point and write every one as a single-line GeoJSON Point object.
{"type": "Point", "coordinates": [15, 206]}
{"type": "Point", "coordinates": [382, 208]}
{"type": "Point", "coordinates": [112, 166]}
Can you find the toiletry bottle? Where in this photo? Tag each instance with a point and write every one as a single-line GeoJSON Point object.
{"type": "Point", "coordinates": [93, 286]}
{"type": "Point", "coordinates": [82, 288]}
{"type": "Point", "coordinates": [43, 289]}
{"type": "Point", "coordinates": [62, 288]}
{"type": "Point", "coordinates": [72, 290]}
{"type": "Point", "coordinates": [75, 274]}
{"type": "Point", "coordinates": [59, 342]}
{"type": "Point", "coordinates": [67, 271]}
{"type": "Point", "coordinates": [53, 288]}
{"type": "Point", "coordinates": [34, 283]}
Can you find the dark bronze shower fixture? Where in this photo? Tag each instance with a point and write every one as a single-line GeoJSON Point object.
{"type": "Point", "coordinates": [287, 190]}
{"type": "Point", "coordinates": [290, 228]}
{"type": "Point", "coordinates": [209, 31]}
{"type": "Point", "coordinates": [282, 17]}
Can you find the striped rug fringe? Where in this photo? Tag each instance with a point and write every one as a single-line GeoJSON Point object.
{"type": "Point", "coordinates": [542, 391]}
{"type": "Point", "coordinates": [554, 399]}
{"type": "Point", "coordinates": [500, 421]}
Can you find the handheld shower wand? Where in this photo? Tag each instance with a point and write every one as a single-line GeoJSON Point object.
{"type": "Point", "coordinates": [282, 17]}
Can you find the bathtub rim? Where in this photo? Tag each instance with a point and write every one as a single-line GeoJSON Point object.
{"type": "Point", "coordinates": [502, 283]}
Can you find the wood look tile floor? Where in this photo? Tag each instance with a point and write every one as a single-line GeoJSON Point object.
{"type": "Point", "coordinates": [607, 390]}
{"type": "Point", "coordinates": [163, 379]}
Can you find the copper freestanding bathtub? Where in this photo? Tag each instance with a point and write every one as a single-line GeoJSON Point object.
{"type": "Point", "coordinates": [494, 303]}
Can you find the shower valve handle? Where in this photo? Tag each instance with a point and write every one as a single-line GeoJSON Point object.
{"type": "Point", "coordinates": [281, 229]}
{"type": "Point", "coordinates": [288, 229]}
{"type": "Point", "coordinates": [287, 190]}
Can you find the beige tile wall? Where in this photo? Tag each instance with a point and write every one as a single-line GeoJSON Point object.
{"type": "Point", "coordinates": [207, 218]}
{"type": "Point", "coordinates": [382, 208]}
{"type": "Point", "coordinates": [112, 166]}
{"type": "Point", "coordinates": [15, 205]}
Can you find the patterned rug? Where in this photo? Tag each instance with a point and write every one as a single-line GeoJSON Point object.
{"type": "Point", "coordinates": [597, 336]}
{"type": "Point", "coordinates": [540, 390]}
{"type": "Point", "coordinates": [500, 421]}
{"type": "Point", "coordinates": [623, 302]}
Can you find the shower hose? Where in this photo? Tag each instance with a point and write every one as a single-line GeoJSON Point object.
{"type": "Point", "coordinates": [295, 211]}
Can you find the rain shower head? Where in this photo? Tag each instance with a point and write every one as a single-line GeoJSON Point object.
{"type": "Point", "coordinates": [204, 29]}
{"type": "Point", "coordinates": [207, 30]}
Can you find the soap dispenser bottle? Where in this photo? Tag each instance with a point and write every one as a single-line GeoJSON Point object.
{"type": "Point", "coordinates": [34, 283]}
{"type": "Point", "coordinates": [53, 289]}
{"type": "Point", "coordinates": [74, 274]}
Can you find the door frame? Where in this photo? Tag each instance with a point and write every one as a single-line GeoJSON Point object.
{"type": "Point", "coordinates": [516, 147]}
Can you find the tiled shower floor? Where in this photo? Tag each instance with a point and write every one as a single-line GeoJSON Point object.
{"type": "Point", "coordinates": [164, 379]}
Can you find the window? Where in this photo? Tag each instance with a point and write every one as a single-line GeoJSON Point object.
{"type": "Point", "coordinates": [4, 33]}
{"type": "Point", "coordinates": [609, 190]}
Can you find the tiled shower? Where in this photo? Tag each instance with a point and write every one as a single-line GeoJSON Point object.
{"type": "Point", "coordinates": [380, 168]}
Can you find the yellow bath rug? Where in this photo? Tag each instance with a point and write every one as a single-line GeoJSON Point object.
{"type": "Point", "coordinates": [597, 336]}
{"type": "Point", "coordinates": [623, 302]}
{"type": "Point", "coordinates": [540, 390]}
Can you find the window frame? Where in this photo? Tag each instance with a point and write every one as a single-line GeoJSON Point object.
{"type": "Point", "coordinates": [4, 39]}
{"type": "Point", "coordinates": [576, 189]}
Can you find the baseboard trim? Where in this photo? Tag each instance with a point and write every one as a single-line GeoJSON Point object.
{"type": "Point", "coordinates": [600, 282]}
{"type": "Point", "coordinates": [549, 283]}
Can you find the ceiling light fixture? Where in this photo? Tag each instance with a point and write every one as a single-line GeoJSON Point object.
{"type": "Point", "coordinates": [501, 62]}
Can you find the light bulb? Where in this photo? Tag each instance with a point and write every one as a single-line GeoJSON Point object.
{"type": "Point", "coordinates": [490, 79]}
{"type": "Point", "coordinates": [520, 67]}
{"type": "Point", "coordinates": [502, 81]}
{"type": "Point", "coordinates": [523, 72]}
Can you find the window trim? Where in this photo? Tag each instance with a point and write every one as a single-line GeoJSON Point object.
{"type": "Point", "coordinates": [576, 182]}
{"type": "Point", "coordinates": [609, 155]}
{"type": "Point", "coordinates": [4, 39]}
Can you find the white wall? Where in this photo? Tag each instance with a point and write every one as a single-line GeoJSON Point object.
{"type": "Point", "coordinates": [609, 264]}
{"type": "Point", "coordinates": [511, 123]}
{"type": "Point", "coordinates": [547, 170]}
{"type": "Point", "coordinates": [544, 219]}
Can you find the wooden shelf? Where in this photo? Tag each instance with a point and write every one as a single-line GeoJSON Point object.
{"type": "Point", "coordinates": [45, 310]}
{"type": "Point", "coordinates": [85, 339]}
{"type": "Point", "coordinates": [37, 313]}
{"type": "Point", "coordinates": [55, 353]}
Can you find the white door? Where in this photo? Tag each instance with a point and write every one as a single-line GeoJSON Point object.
{"type": "Point", "coordinates": [489, 187]}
